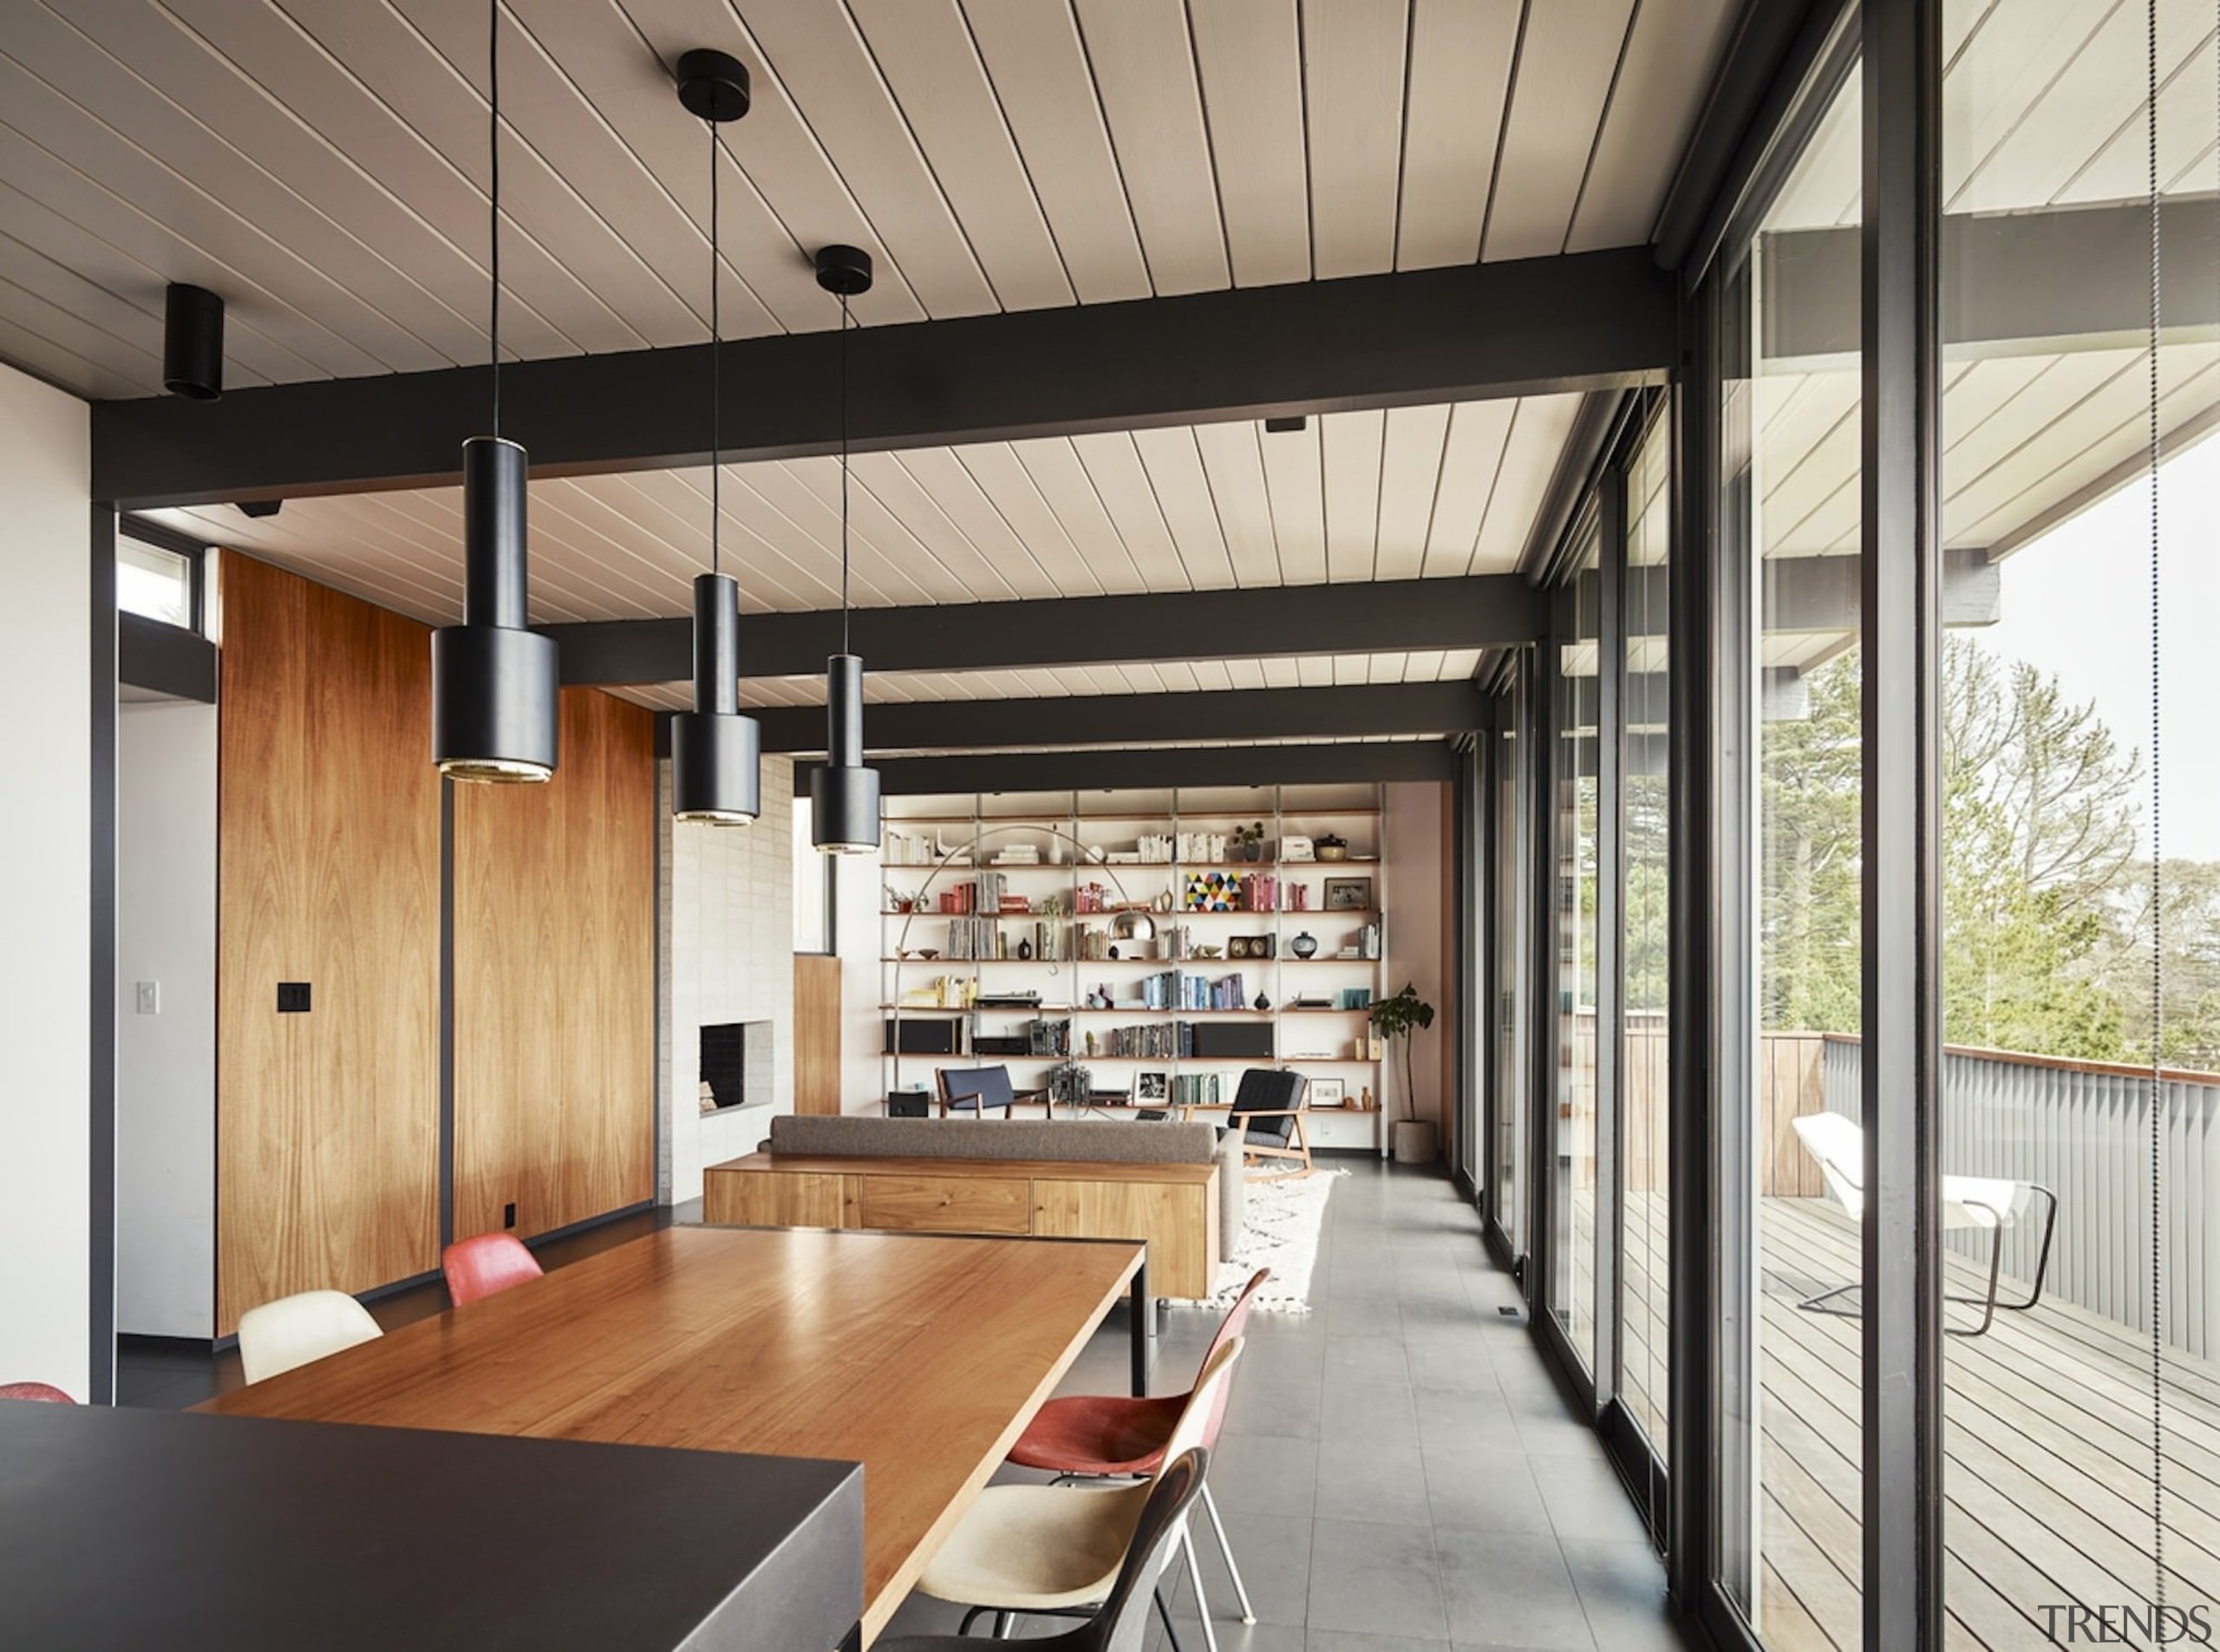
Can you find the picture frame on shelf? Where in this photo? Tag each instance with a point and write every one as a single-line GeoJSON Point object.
{"type": "Point", "coordinates": [1327, 1092]}
{"type": "Point", "coordinates": [1348, 894]}
{"type": "Point", "coordinates": [1152, 1086]}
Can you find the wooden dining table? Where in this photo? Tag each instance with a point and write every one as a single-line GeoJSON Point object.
{"type": "Point", "coordinates": [921, 1356]}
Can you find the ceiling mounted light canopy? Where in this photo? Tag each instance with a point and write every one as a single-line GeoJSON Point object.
{"type": "Point", "coordinates": [716, 754]}
{"type": "Point", "coordinates": [494, 695]}
{"type": "Point", "coordinates": [844, 793]}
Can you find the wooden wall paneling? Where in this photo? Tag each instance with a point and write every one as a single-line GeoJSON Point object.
{"type": "Point", "coordinates": [817, 1033]}
{"type": "Point", "coordinates": [329, 827]}
{"type": "Point", "coordinates": [555, 980]}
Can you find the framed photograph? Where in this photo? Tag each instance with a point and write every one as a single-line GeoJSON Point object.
{"type": "Point", "coordinates": [1347, 894]}
{"type": "Point", "coordinates": [1152, 1087]}
{"type": "Point", "coordinates": [1328, 1092]}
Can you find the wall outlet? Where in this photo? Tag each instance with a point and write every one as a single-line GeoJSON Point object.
{"type": "Point", "coordinates": [293, 997]}
{"type": "Point", "coordinates": [150, 997]}
{"type": "Point", "coordinates": [509, 1214]}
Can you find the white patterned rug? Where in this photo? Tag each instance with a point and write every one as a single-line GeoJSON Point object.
{"type": "Point", "coordinates": [1280, 1228]}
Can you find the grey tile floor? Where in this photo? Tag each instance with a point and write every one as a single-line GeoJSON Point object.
{"type": "Point", "coordinates": [1399, 1472]}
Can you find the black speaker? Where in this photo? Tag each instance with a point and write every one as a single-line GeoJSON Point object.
{"type": "Point", "coordinates": [923, 1036]}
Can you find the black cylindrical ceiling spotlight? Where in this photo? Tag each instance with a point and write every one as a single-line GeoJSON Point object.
{"type": "Point", "coordinates": [192, 343]}
{"type": "Point", "coordinates": [716, 754]}
{"type": "Point", "coordinates": [844, 794]}
{"type": "Point", "coordinates": [495, 699]}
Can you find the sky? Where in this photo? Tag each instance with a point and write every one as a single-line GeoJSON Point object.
{"type": "Point", "coordinates": [2076, 603]}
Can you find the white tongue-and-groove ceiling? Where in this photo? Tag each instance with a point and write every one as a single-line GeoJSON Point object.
{"type": "Point", "coordinates": [323, 163]}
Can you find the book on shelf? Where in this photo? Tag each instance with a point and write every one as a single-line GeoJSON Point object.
{"type": "Point", "coordinates": [1199, 1090]}
{"type": "Point", "coordinates": [1172, 990]}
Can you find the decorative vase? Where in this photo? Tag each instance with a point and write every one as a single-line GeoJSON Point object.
{"type": "Point", "coordinates": [1262, 1002]}
{"type": "Point", "coordinates": [1252, 851]}
{"type": "Point", "coordinates": [1304, 945]}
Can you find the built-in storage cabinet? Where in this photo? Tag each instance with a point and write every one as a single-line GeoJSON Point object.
{"type": "Point", "coordinates": [1129, 949]}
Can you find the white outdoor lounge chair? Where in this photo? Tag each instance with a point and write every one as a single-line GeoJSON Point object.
{"type": "Point", "coordinates": [1983, 1202]}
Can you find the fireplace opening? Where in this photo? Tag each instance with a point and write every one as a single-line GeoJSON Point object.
{"type": "Point", "coordinates": [735, 1065]}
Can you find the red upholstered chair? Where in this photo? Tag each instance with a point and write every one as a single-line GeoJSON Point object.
{"type": "Point", "coordinates": [485, 1266]}
{"type": "Point", "coordinates": [1086, 1435]}
{"type": "Point", "coordinates": [45, 1391]}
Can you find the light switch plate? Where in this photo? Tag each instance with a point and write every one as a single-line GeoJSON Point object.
{"type": "Point", "coordinates": [150, 997]}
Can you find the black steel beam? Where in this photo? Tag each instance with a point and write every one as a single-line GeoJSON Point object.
{"type": "Point", "coordinates": [2071, 278]}
{"type": "Point", "coordinates": [168, 659]}
{"type": "Point", "coordinates": [1367, 710]}
{"type": "Point", "coordinates": [1584, 321]}
{"type": "Point", "coordinates": [1367, 760]}
{"type": "Point", "coordinates": [1481, 611]}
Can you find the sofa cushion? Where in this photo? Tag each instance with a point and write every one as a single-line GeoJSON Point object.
{"type": "Point", "coordinates": [1062, 1140]}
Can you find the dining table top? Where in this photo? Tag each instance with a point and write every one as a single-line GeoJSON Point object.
{"type": "Point", "coordinates": [920, 1356]}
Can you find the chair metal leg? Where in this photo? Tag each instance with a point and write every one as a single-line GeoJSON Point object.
{"type": "Point", "coordinates": [1202, 1602]}
{"type": "Point", "coordinates": [1005, 1626]}
{"type": "Point", "coordinates": [1164, 1613]}
{"type": "Point", "coordinates": [1824, 1302]}
{"type": "Point", "coordinates": [1240, 1589]}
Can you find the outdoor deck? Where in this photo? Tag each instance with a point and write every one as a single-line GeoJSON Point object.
{"type": "Point", "coordinates": [2048, 1448]}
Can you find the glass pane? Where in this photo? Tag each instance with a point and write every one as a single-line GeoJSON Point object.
{"type": "Point", "coordinates": [2050, 1103]}
{"type": "Point", "coordinates": [1573, 1197]}
{"type": "Point", "coordinates": [1646, 1068]}
{"type": "Point", "coordinates": [1514, 1093]}
{"type": "Point", "coordinates": [1789, 1240]}
{"type": "Point", "coordinates": [153, 583]}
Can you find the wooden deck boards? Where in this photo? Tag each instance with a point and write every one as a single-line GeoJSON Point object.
{"type": "Point", "coordinates": [2048, 1456]}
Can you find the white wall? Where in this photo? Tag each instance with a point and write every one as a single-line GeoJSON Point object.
{"type": "Point", "coordinates": [45, 837]}
{"type": "Point", "coordinates": [166, 1062]}
{"type": "Point", "coordinates": [862, 1023]}
{"type": "Point", "coordinates": [1416, 895]}
{"type": "Point", "coordinates": [729, 954]}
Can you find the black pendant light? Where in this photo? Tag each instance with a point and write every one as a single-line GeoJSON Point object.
{"type": "Point", "coordinates": [844, 794]}
{"type": "Point", "coordinates": [493, 681]}
{"type": "Point", "coordinates": [715, 754]}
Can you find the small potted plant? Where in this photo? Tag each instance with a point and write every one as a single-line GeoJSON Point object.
{"type": "Point", "coordinates": [1251, 839]}
{"type": "Point", "coordinates": [1404, 1017]}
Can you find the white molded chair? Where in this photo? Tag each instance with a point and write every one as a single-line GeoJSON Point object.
{"type": "Point", "coordinates": [1991, 1203]}
{"type": "Point", "coordinates": [295, 1331]}
{"type": "Point", "coordinates": [1058, 1550]}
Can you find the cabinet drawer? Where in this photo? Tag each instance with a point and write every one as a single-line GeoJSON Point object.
{"type": "Point", "coordinates": [949, 1204]}
{"type": "Point", "coordinates": [777, 1198]}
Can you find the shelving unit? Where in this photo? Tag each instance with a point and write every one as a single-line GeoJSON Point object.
{"type": "Point", "coordinates": [1326, 1036]}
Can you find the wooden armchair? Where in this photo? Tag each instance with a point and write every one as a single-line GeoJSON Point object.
{"type": "Point", "coordinates": [1268, 1110]}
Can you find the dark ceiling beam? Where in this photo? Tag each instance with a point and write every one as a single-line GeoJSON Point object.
{"type": "Point", "coordinates": [1480, 610]}
{"type": "Point", "coordinates": [1358, 761]}
{"type": "Point", "coordinates": [1584, 321]}
{"type": "Point", "coordinates": [2070, 277]}
{"type": "Point", "coordinates": [1358, 711]}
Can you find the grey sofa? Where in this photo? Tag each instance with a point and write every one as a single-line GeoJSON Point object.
{"type": "Point", "coordinates": [1084, 1141]}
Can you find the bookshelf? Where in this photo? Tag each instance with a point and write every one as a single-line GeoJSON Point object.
{"type": "Point", "coordinates": [1129, 932]}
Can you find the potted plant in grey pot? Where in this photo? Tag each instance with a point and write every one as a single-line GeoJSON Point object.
{"type": "Point", "coordinates": [1402, 1018]}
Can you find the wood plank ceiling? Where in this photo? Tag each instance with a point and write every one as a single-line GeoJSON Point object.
{"type": "Point", "coordinates": [321, 163]}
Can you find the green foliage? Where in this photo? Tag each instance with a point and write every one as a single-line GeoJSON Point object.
{"type": "Point", "coordinates": [2046, 907]}
{"type": "Point", "coordinates": [1402, 1017]}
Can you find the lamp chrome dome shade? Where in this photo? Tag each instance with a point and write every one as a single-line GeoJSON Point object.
{"type": "Point", "coordinates": [495, 694]}
{"type": "Point", "coordinates": [716, 754]}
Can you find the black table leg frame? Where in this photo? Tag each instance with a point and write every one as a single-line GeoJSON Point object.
{"type": "Point", "coordinates": [1144, 1321]}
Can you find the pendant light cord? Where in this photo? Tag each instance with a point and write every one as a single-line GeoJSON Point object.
{"type": "Point", "coordinates": [844, 648]}
{"type": "Point", "coordinates": [494, 226]}
{"type": "Point", "coordinates": [716, 378]}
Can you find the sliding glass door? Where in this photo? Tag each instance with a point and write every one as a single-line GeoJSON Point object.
{"type": "Point", "coordinates": [1510, 804]}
